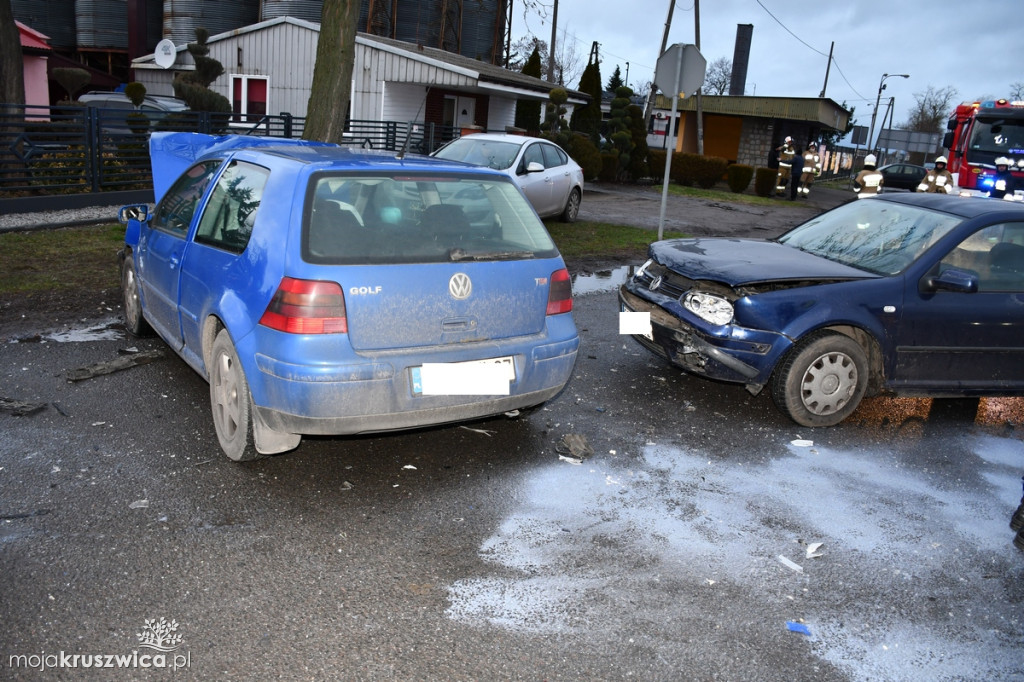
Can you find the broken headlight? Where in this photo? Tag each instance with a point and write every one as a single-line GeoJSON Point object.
{"type": "Point", "coordinates": [708, 307]}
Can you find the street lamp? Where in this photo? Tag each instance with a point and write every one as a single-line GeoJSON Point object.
{"type": "Point", "coordinates": [881, 86]}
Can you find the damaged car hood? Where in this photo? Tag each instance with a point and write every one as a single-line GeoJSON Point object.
{"type": "Point", "coordinates": [737, 262]}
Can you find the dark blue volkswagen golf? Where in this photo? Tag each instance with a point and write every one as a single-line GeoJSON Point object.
{"type": "Point", "coordinates": [322, 290]}
{"type": "Point", "coordinates": [913, 294]}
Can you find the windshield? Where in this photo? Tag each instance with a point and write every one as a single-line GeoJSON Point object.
{"type": "Point", "coordinates": [352, 219]}
{"type": "Point", "coordinates": [997, 136]}
{"type": "Point", "coordinates": [491, 153]}
{"type": "Point", "coordinates": [877, 236]}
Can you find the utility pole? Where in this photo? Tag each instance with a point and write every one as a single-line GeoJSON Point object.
{"type": "Point", "coordinates": [551, 49]}
{"type": "Point", "coordinates": [664, 44]}
{"type": "Point", "coordinates": [827, 67]}
{"type": "Point", "coordinates": [700, 111]}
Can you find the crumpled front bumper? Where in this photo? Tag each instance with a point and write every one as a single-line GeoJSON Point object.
{"type": "Point", "coordinates": [728, 353]}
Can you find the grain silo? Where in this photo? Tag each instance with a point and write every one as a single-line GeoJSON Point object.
{"type": "Point", "coordinates": [52, 18]}
{"type": "Point", "coordinates": [183, 17]}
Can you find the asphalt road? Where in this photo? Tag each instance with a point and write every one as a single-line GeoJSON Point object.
{"type": "Point", "coordinates": [684, 547]}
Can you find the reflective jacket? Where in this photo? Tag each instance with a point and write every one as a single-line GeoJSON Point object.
{"type": "Point", "coordinates": [812, 162]}
{"type": "Point", "coordinates": [936, 181]}
{"type": "Point", "coordinates": [867, 183]}
{"type": "Point", "coordinates": [1005, 184]}
{"type": "Point", "coordinates": [786, 155]}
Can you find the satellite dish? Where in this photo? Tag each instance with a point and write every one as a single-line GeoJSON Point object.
{"type": "Point", "coordinates": [165, 54]}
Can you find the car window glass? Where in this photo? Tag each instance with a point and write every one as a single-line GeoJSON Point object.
{"type": "Point", "coordinates": [352, 219]}
{"type": "Point", "coordinates": [174, 212]}
{"type": "Point", "coordinates": [231, 210]}
{"type": "Point", "coordinates": [532, 154]}
{"type": "Point", "coordinates": [877, 236]}
{"type": "Point", "coordinates": [552, 156]}
{"type": "Point", "coordinates": [995, 254]}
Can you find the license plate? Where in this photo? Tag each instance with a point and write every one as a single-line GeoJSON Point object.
{"type": "Point", "coordinates": [492, 376]}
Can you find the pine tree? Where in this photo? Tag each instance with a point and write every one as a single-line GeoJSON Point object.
{"type": "Point", "coordinates": [615, 82]}
{"type": "Point", "coordinates": [587, 119]}
{"type": "Point", "coordinates": [528, 112]}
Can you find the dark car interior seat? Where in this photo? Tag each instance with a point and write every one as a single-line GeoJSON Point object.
{"type": "Point", "coordinates": [335, 232]}
{"type": "Point", "coordinates": [446, 223]}
{"type": "Point", "coordinates": [1006, 265]}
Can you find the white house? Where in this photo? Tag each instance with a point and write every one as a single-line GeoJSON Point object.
{"type": "Point", "coordinates": [269, 69]}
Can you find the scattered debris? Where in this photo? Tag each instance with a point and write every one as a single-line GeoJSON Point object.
{"type": "Point", "coordinates": [122, 363]}
{"type": "Point", "coordinates": [800, 443]}
{"type": "Point", "coordinates": [573, 448]}
{"type": "Point", "coordinates": [131, 350]}
{"type": "Point", "coordinates": [483, 431]}
{"type": "Point", "coordinates": [794, 626]}
{"type": "Point", "coordinates": [60, 409]}
{"type": "Point", "coordinates": [512, 414]}
{"type": "Point", "coordinates": [345, 485]}
{"type": "Point", "coordinates": [20, 408]}
{"type": "Point", "coordinates": [139, 504]}
{"type": "Point", "coordinates": [790, 564]}
{"type": "Point", "coordinates": [409, 466]}
{"type": "Point", "coordinates": [812, 550]}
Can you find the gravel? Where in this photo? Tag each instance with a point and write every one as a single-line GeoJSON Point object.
{"type": "Point", "coordinates": [16, 222]}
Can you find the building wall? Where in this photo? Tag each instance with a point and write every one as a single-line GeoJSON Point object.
{"type": "Point", "coordinates": [755, 143]}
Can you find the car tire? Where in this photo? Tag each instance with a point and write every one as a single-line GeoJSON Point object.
{"type": "Point", "coordinates": [822, 380]}
{"type": "Point", "coordinates": [134, 321]}
{"type": "Point", "coordinates": [572, 206]}
{"type": "Point", "coordinates": [230, 401]}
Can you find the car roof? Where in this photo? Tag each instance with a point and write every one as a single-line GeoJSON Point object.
{"type": "Point", "coordinates": [500, 137]}
{"type": "Point", "coordinates": [171, 153]}
{"type": "Point", "coordinates": [963, 207]}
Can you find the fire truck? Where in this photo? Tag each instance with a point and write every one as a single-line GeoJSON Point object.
{"type": "Point", "coordinates": [977, 134]}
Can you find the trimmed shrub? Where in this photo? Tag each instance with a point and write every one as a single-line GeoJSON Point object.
{"type": "Point", "coordinates": [764, 181]}
{"type": "Point", "coordinates": [656, 163]}
{"type": "Point", "coordinates": [738, 176]}
{"type": "Point", "coordinates": [609, 167]}
{"type": "Point", "coordinates": [709, 171]}
{"type": "Point", "coordinates": [583, 152]}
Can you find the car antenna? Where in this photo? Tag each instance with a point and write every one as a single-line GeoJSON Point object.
{"type": "Point", "coordinates": [408, 131]}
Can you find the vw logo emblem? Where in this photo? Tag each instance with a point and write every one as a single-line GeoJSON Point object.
{"type": "Point", "coordinates": [655, 284]}
{"type": "Point", "coordinates": [459, 286]}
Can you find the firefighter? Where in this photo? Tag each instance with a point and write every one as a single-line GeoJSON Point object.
{"type": "Point", "coordinates": [1004, 183]}
{"type": "Point", "coordinates": [937, 180]}
{"type": "Point", "coordinates": [868, 182]}
{"type": "Point", "coordinates": [811, 170]}
{"type": "Point", "coordinates": [786, 155]}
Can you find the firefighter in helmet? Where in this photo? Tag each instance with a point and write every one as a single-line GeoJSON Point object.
{"type": "Point", "coordinates": [868, 182]}
{"type": "Point", "coordinates": [1003, 183]}
{"type": "Point", "coordinates": [811, 169]}
{"type": "Point", "coordinates": [938, 180]}
{"type": "Point", "coordinates": [786, 155]}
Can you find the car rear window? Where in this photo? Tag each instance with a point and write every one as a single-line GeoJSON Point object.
{"type": "Point", "coordinates": [419, 218]}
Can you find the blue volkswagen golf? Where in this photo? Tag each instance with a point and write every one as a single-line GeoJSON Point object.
{"type": "Point", "coordinates": [322, 290]}
{"type": "Point", "coordinates": [913, 294]}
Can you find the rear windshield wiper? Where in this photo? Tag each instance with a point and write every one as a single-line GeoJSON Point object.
{"type": "Point", "coordinates": [459, 254]}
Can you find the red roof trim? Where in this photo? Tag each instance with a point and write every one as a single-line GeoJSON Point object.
{"type": "Point", "coordinates": [32, 38]}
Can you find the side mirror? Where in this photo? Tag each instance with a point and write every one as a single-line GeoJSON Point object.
{"type": "Point", "coordinates": [947, 140]}
{"type": "Point", "coordinates": [534, 167]}
{"type": "Point", "coordinates": [139, 212]}
{"type": "Point", "coordinates": [952, 279]}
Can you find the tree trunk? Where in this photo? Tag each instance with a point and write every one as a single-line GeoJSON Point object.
{"type": "Point", "coordinates": [12, 74]}
{"type": "Point", "coordinates": [332, 74]}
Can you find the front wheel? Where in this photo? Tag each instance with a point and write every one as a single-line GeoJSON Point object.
{"type": "Point", "coordinates": [572, 206]}
{"type": "Point", "coordinates": [134, 321]}
{"type": "Point", "coordinates": [230, 401]}
{"type": "Point", "coordinates": [822, 380]}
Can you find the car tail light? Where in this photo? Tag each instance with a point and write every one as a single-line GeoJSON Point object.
{"type": "Point", "coordinates": [301, 306]}
{"type": "Point", "coordinates": [560, 293]}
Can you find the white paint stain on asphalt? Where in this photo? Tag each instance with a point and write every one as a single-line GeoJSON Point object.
{"type": "Point", "coordinates": [103, 331]}
{"type": "Point", "coordinates": [890, 596]}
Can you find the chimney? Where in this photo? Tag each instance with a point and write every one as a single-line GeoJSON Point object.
{"type": "Point", "coordinates": [740, 59]}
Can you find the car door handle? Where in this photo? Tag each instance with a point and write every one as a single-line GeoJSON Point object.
{"type": "Point", "coordinates": [174, 260]}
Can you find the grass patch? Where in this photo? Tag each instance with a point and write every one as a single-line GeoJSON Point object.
{"type": "Point", "coordinates": [585, 239]}
{"type": "Point", "coordinates": [721, 195]}
{"type": "Point", "coordinates": [55, 260]}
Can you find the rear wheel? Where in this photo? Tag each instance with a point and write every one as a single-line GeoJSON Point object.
{"type": "Point", "coordinates": [230, 401]}
{"type": "Point", "coordinates": [572, 206]}
{"type": "Point", "coordinates": [822, 380]}
{"type": "Point", "coordinates": [134, 321]}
